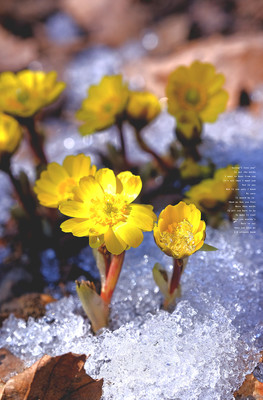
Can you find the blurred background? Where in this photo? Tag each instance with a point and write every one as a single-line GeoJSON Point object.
{"type": "Point", "coordinates": [48, 34]}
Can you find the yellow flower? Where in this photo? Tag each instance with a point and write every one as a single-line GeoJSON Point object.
{"type": "Point", "coordinates": [104, 104]}
{"type": "Point", "coordinates": [103, 211]}
{"type": "Point", "coordinates": [191, 169]}
{"type": "Point", "coordinates": [25, 93]}
{"type": "Point", "coordinates": [57, 182]}
{"type": "Point", "coordinates": [197, 88]}
{"type": "Point", "coordinates": [142, 108]}
{"type": "Point", "coordinates": [180, 231]}
{"type": "Point", "coordinates": [213, 193]}
{"type": "Point", "coordinates": [188, 127]}
{"type": "Point", "coordinates": [10, 134]}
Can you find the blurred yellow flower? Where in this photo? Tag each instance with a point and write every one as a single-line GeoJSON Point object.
{"type": "Point", "coordinates": [188, 126]}
{"type": "Point", "coordinates": [25, 93]}
{"type": "Point", "coordinates": [103, 211]}
{"type": "Point", "coordinates": [104, 104]}
{"type": "Point", "coordinates": [180, 231]}
{"type": "Point", "coordinates": [197, 88]}
{"type": "Point", "coordinates": [211, 194]}
{"type": "Point", "coordinates": [57, 182]}
{"type": "Point", "coordinates": [10, 134]}
{"type": "Point", "coordinates": [142, 108]}
{"type": "Point", "coordinates": [191, 169]}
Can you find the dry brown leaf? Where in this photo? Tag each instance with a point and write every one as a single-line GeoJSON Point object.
{"type": "Point", "coordinates": [108, 22]}
{"type": "Point", "coordinates": [16, 53]}
{"type": "Point", "coordinates": [9, 364]}
{"type": "Point", "coordinates": [54, 378]}
{"type": "Point", "coordinates": [238, 57]}
{"type": "Point", "coordinates": [28, 305]}
{"type": "Point", "coordinates": [171, 32]}
{"type": "Point", "coordinates": [250, 387]}
{"type": "Point", "coordinates": [27, 10]}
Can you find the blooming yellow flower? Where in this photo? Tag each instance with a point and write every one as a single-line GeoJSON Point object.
{"type": "Point", "coordinates": [103, 211]}
{"type": "Point", "coordinates": [25, 93]}
{"type": "Point", "coordinates": [57, 182]}
{"type": "Point", "coordinates": [197, 88]}
{"type": "Point", "coordinates": [10, 134]}
{"type": "Point", "coordinates": [180, 231]}
{"type": "Point", "coordinates": [104, 104]}
{"type": "Point", "coordinates": [213, 193]}
{"type": "Point", "coordinates": [142, 108]}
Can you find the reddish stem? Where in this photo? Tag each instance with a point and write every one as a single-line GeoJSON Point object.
{"type": "Point", "coordinates": [163, 164]}
{"type": "Point", "coordinates": [177, 272]}
{"type": "Point", "coordinates": [35, 139]}
{"type": "Point", "coordinates": [112, 277]}
{"type": "Point", "coordinates": [123, 144]}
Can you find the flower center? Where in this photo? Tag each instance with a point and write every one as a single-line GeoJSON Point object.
{"type": "Point", "coordinates": [179, 238]}
{"type": "Point", "coordinates": [65, 189]}
{"type": "Point", "coordinates": [192, 96]}
{"type": "Point", "coordinates": [22, 95]}
{"type": "Point", "coordinates": [109, 211]}
{"type": "Point", "coordinates": [107, 107]}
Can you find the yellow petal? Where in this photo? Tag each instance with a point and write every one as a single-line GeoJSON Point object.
{"type": "Point", "coordinates": [106, 178]}
{"type": "Point", "coordinates": [113, 244]}
{"type": "Point", "coordinates": [73, 209]}
{"type": "Point", "coordinates": [78, 227]}
{"type": "Point", "coordinates": [89, 189]}
{"type": "Point", "coordinates": [132, 185]}
{"type": "Point", "coordinates": [56, 172]}
{"type": "Point", "coordinates": [216, 104]}
{"type": "Point", "coordinates": [129, 233]}
{"type": "Point", "coordinates": [96, 241]}
{"type": "Point", "coordinates": [142, 216]}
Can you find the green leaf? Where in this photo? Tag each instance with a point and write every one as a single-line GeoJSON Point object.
{"type": "Point", "coordinates": [207, 247]}
{"type": "Point", "coordinates": [94, 306]}
{"type": "Point", "coordinates": [161, 279]}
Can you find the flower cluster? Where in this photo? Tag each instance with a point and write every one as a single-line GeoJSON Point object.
{"type": "Point", "coordinates": [98, 202]}
{"type": "Point", "coordinates": [110, 102]}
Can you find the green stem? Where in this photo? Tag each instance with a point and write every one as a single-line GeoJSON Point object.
{"type": "Point", "coordinates": [112, 277]}
{"type": "Point", "coordinates": [164, 165]}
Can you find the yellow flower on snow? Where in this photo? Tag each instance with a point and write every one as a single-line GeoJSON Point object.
{"type": "Point", "coordinates": [180, 231]}
{"type": "Point", "coordinates": [10, 134]}
{"type": "Point", "coordinates": [103, 211]}
{"type": "Point", "coordinates": [104, 104]}
{"type": "Point", "coordinates": [142, 108]}
{"type": "Point", "coordinates": [213, 193]}
{"type": "Point", "coordinates": [197, 88]}
{"type": "Point", "coordinates": [57, 182]}
{"type": "Point", "coordinates": [25, 93]}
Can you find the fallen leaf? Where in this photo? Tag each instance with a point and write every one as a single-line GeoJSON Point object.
{"type": "Point", "coordinates": [15, 53]}
{"type": "Point", "coordinates": [9, 364]}
{"type": "Point", "coordinates": [54, 378]}
{"type": "Point", "coordinates": [108, 22]}
{"type": "Point", "coordinates": [250, 387]}
{"type": "Point", "coordinates": [28, 305]}
{"type": "Point", "coordinates": [238, 57]}
{"type": "Point", "coordinates": [27, 10]}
